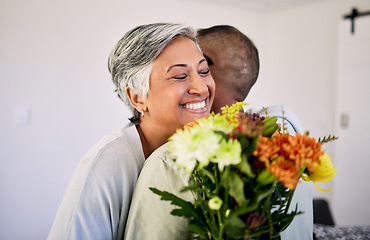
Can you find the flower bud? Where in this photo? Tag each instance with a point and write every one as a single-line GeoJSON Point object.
{"type": "Point", "coordinates": [215, 203]}
{"type": "Point", "coordinates": [265, 177]}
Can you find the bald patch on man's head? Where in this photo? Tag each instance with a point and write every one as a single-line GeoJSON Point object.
{"type": "Point", "coordinates": [232, 56]}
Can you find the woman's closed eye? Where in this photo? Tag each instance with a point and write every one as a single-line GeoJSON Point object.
{"type": "Point", "coordinates": [180, 76]}
{"type": "Point", "coordinates": [204, 72]}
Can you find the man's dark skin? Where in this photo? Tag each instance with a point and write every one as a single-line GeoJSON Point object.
{"type": "Point", "coordinates": [233, 61]}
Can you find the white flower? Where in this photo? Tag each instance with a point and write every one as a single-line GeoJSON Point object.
{"type": "Point", "coordinates": [193, 145]}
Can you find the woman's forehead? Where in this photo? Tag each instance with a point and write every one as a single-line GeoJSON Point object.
{"type": "Point", "coordinates": [180, 51]}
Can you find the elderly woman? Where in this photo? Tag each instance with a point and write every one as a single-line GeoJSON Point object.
{"type": "Point", "coordinates": [163, 78]}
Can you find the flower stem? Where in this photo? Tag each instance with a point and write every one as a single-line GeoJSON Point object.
{"type": "Point", "coordinates": [225, 204]}
{"type": "Point", "coordinates": [221, 226]}
{"type": "Point", "coordinates": [268, 209]}
{"type": "Point", "coordinates": [290, 197]}
{"type": "Point", "coordinates": [201, 198]}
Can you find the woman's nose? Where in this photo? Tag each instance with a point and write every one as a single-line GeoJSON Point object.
{"type": "Point", "coordinates": [198, 86]}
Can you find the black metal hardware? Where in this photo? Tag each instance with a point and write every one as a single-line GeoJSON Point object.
{"type": "Point", "coordinates": [353, 15]}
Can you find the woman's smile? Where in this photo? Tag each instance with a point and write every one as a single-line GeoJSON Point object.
{"type": "Point", "coordinates": [195, 105]}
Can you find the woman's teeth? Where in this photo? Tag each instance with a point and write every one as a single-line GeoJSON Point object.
{"type": "Point", "coordinates": [195, 105]}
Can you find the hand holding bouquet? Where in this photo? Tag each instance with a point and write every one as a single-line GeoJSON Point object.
{"type": "Point", "coordinates": [243, 171]}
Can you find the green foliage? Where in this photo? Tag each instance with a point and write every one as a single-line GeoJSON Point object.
{"type": "Point", "coordinates": [233, 182]}
{"type": "Point", "coordinates": [197, 222]}
{"type": "Point", "coordinates": [270, 126]}
{"type": "Point", "coordinates": [326, 139]}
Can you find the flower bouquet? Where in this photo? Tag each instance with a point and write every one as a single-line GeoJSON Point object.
{"type": "Point", "coordinates": [243, 171]}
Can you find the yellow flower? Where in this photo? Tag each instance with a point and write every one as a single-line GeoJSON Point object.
{"type": "Point", "coordinates": [323, 172]}
{"type": "Point", "coordinates": [231, 113]}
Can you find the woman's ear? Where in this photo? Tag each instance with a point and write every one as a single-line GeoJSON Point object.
{"type": "Point", "coordinates": [136, 100]}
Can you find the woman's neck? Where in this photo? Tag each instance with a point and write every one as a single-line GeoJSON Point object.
{"type": "Point", "coordinates": [150, 139]}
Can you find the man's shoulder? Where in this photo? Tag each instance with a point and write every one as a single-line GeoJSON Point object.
{"type": "Point", "coordinates": [150, 217]}
{"type": "Point", "coordinates": [161, 171]}
{"type": "Point", "coordinates": [283, 113]}
{"type": "Point", "coordinates": [161, 160]}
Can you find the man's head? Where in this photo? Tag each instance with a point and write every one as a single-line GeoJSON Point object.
{"type": "Point", "coordinates": [233, 61]}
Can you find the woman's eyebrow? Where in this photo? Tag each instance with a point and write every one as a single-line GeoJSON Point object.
{"type": "Point", "coordinates": [183, 65]}
{"type": "Point", "coordinates": [202, 60]}
{"type": "Point", "coordinates": [176, 65]}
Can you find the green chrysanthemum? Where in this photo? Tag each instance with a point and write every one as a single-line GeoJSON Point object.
{"type": "Point", "coordinates": [216, 123]}
{"type": "Point", "coordinates": [228, 153]}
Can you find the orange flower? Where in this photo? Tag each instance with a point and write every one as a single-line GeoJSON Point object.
{"type": "Point", "coordinates": [303, 150]}
{"type": "Point", "coordinates": [266, 150]}
{"type": "Point", "coordinates": [286, 156]}
{"type": "Point", "coordinates": [285, 172]}
{"type": "Point", "coordinates": [192, 124]}
{"type": "Point", "coordinates": [300, 149]}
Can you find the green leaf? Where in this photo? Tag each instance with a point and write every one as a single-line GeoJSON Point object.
{"type": "Point", "coordinates": [251, 146]}
{"type": "Point", "coordinates": [186, 209]}
{"type": "Point", "coordinates": [234, 227]}
{"type": "Point", "coordinates": [254, 142]}
{"type": "Point", "coordinates": [223, 134]}
{"type": "Point", "coordinates": [263, 194]}
{"type": "Point", "coordinates": [282, 220]}
{"type": "Point", "coordinates": [246, 207]}
{"type": "Point", "coordinates": [191, 187]}
{"type": "Point", "coordinates": [326, 139]}
{"type": "Point", "coordinates": [235, 185]}
{"type": "Point", "coordinates": [269, 121]}
{"type": "Point", "coordinates": [265, 178]}
{"type": "Point", "coordinates": [245, 167]}
{"type": "Point", "coordinates": [249, 206]}
{"type": "Point", "coordinates": [244, 141]}
{"type": "Point", "coordinates": [209, 174]}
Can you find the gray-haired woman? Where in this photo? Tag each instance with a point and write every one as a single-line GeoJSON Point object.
{"type": "Point", "coordinates": [162, 76]}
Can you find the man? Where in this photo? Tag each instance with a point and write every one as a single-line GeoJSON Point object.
{"type": "Point", "coordinates": [234, 64]}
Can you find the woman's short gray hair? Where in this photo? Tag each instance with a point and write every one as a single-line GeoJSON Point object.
{"type": "Point", "coordinates": [130, 62]}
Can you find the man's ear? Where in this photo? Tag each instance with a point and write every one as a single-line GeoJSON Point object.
{"type": "Point", "coordinates": [136, 100]}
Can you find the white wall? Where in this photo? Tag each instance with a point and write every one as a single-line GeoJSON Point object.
{"type": "Point", "coordinates": [300, 72]}
{"type": "Point", "coordinates": [53, 70]}
{"type": "Point", "coordinates": [351, 196]}
{"type": "Point", "coordinates": [57, 99]}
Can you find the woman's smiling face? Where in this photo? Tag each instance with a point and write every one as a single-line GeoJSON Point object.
{"type": "Point", "coordinates": [181, 87]}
